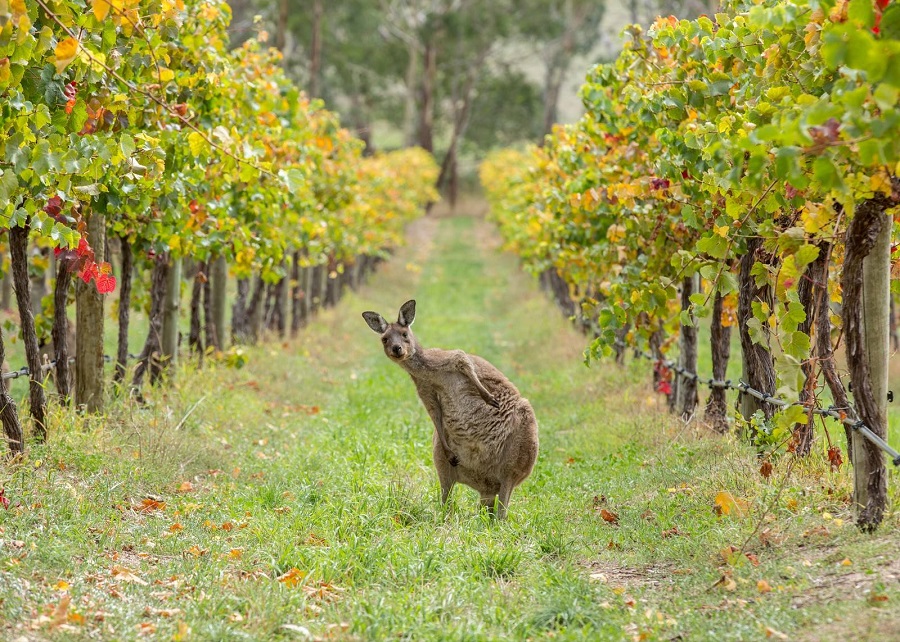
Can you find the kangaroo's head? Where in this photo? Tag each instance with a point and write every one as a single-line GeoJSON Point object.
{"type": "Point", "coordinates": [397, 338]}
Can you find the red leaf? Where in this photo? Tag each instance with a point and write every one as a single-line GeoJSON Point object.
{"type": "Point", "coordinates": [664, 387]}
{"type": "Point", "coordinates": [4, 499]}
{"type": "Point", "coordinates": [106, 283]}
{"type": "Point", "coordinates": [834, 458]}
{"type": "Point", "coordinates": [89, 271]}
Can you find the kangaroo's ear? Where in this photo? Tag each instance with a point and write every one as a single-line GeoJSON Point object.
{"type": "Point", "coordinates": [375, 321]}
{"type": "Point", "coordinates": [407, 313]}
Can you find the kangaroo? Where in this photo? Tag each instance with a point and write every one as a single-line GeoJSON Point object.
{"type": "Point", "coordinates": [485, 432]}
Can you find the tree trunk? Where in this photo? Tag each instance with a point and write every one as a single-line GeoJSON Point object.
{"type": "Point", "coordinates": [282, 27]}
{"type": "Point", "coordinates": [255, 311]}
{"type": "Point", "coordinates": [824, 348]}
{"type": "Point", "coordinates": [124, 308]}
{"type": "Point", "coordinates": [18, 251]}
{"type": "Point", "coordinates": [239, 318]}
{"type": "Point", "coordinates": [409, 104]}
{"type": "Point", "coordinates": [60, 330]}
{"type": "Point", "coordinates": [757, 363]}
{"type": "Point", "coordinates": [552, 85]}
{"type": "Point", "coordinates": [38, 285]}
{"type": "Point", "coordinates": [315, 50]}
{"type": "Point", "coordinates": [316, 291]}
{"type": "Point", "coordinates": [209, 326]}
{"type": "Point", "coordinates": [149, 359]}
{"type": "Point", "coordinates": [806, 290]}
{"type": "Point", "coordinates": [426, 107]}
{"type": "Point", "coordinates": [6, 292]}
{"type": "Point", "coordinates": [296, 294]}
{"type": "Point", "coordinates": [866, 289]}
{"type": "Point", "coordinates": [195, 339]}
{"type": "Point", "coordinates": [687, 398]}
{"type": "Point", "coordinates": [171, 312]}
{"type": "Point", "coordinates": [218, 291]}
{"type": "Point", "coordinates": [89, 384]}
{"type": "Point", "coordinates": [9, 416]}
{"type": "Point", "coordinates": [720, 343]}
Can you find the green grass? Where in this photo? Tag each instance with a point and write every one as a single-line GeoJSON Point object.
{"type": "Point", "coordinates": [316, 457]}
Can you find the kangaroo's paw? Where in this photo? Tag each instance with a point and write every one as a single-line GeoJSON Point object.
{"type": "Point", "coordinates": [454, 460]}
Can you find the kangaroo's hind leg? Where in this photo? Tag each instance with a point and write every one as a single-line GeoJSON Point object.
{"type": "Point", "coordinates": [445, 472]}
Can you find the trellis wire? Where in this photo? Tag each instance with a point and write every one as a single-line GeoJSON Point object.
{"type": "Point", "coordinates": [24, 371]}
{"type": "Point", "coordinates": [741, 386]}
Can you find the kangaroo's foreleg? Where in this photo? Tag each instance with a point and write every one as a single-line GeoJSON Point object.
{"type": "Point", "coordinates": [465, 366]}
{"type": "Point", "coordinates": [433, 406]}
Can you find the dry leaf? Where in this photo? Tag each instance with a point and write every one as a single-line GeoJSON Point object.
{"type": "Point", "coordinates": [609, 516]}
{"type": "Point", "coordinates": [772, 633]}
{"type": "Point", "coordinates": [174, 528]}
{"type": "Point", "coordinates": [763, 586]}
{"type": "Point", "coordinates": [728, 504]}
{"type": "Point", "coordinates": [292, 577]}
{"type": "Point", "coordinates": [185, 487]}
{"type": "Point", "coordinates": [126, 575]}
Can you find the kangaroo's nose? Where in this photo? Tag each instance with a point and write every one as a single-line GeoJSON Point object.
{"type": "Point", "coordinates": [397, 350]}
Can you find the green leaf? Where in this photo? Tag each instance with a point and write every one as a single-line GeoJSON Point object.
{"type": "Point", "coordinates": [806, 255]}
{"type": "Point", "coordinates": [862, 12]}
{"type": "Point", "coordinates": [8, 186]}
{"type": "Point", "coordinates": [827, 173]}
{"type": "Point", "coordinates": [890, 22]}
{"type": "Point", "coordinates": [713, 245]}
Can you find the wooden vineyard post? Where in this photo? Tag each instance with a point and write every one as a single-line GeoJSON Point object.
{"type": "Point", "coordinates": [171, 309]}
{"type": "Point", "coordinates": [89, 329]}
{"type": "Point", "coordinates": [869, 475]}
{"type": "Point", "coordinates": [865, 284]}
{"type": "Point", "coordinates": [219, 277]}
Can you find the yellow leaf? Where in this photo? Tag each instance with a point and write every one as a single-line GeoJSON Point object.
{"type": "Point", "coordinates": [728, 504]}
{"type": "Point", "coordinates": [18, 8]}
{"type": "Point", "coordinates": [721, 231]}
{"type": "Point", "coordinates": [197, 143]}
{"type": "Point", "coordinates": [101, 8]}
{"type": "Point", "coordinates": [846, 562]}
{"type": "Point", "coordinates": [65, 53]}
{"type": "Point", "coordinates": [881, 182]}
{"type": "Point", "coordinates": [5, 74]}
{"type": "Point", "coordinates": [165, 74]}
{"type": "Point", "coordinates": [61, 585]}
{"type": "Point", "coordinates": [615, 233]}
{"type": "Point", "coordinates": [292, 577]}
{"type": "Point", "coordinates": [763, 586]}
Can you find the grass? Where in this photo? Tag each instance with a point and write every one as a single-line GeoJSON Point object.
{"type": "Point", "coordinates": [298, 499]}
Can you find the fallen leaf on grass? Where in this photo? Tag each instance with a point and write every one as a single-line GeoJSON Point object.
{"type": "Point", "coordinates": [314, 540]}
{"type": "Point", "coordinates": [150, 504]}
{"type": "Point", "coordinates": [846, 562]}
{"type": "Point", "coordinates": [61, 585]}
{"type": "Point", "coordinates": [174, 528]}
{"type": "Point", "coordinates": [186, 487]}
{"type": "Point", "coordinates": [126, 575]}
{"type": "Point", "coordinates": [726, 582]}
{"type": "Point", "coordinates": [292, 577]}
{"type": "Point", "coordinates": [672, 532]}
{"type": "Point", "coordinates": [196, 551]}
{"type": "Point", "coordinates": [875, 598]}
{"type": "Point", "coordinates": [728, 504]}
{"type": "Point", "coordinates": [778, 635]}
{"type": "Point", "coordinates": [609, 516]}
{"type": "Point", "coordinates": [146, 628]}
{"type": "Point", "coordinates": [763, 586]}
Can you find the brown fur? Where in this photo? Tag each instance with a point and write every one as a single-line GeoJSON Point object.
{"type": "Point", "coordinates": [485, 432]}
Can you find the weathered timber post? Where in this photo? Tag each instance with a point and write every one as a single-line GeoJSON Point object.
{"type": "Point", "coordinates": [219, 284]}
{"type": "Point", "coordinates": [89, 328]}
{"type": "Point", "coordinates": [171, 310]}
{"type": "Point", "coordinates": [866, 286]}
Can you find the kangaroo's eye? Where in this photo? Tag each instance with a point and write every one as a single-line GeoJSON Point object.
{"type": "Point", "coordinates": [405, 336]}
{"type": "Point", "coordinates": [384, 339]}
